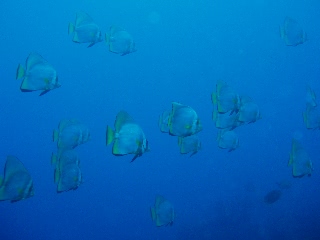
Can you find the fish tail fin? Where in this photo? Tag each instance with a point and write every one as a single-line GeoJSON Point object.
{"type": "Point", "coordinates": [56, 175]}
{"type": "Point", "coordinates": [20, 72]}
{"type": "Point", "coordinates": [214, 98]}
{"type": "Point", "coordinates": [153, 213]}
{"type": "Point", "coordinates": [107, 38]}
{"type": "Point", "coordinates": [110, 135]}
{"type": "Point", "coordinates": [53, 159]}
{"type": "Point", "coordinates": [71, 28]}
{"type": "Point", "coordinates": [281, 31]}
{"type": "Point", "coordinates": [55, 135]}
{"type": "Point", "coordinates": [215, 116]}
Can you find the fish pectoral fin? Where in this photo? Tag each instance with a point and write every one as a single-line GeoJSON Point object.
{"type": "Point", "coordinates": [91, 44]}
{"type": "Point", "coordinates": [135, 157]}
{"type": "Point", "coordinates": [44, 92]}
{"type": "Point", "coordinates": [71, 28]}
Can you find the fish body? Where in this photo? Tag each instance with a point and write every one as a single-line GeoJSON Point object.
{"type": "Point", "coordinates": [225, 120]}
{"type": "Point", "coordinates": [311, 118]}
{"type": "Point", "coordinates": [128, 137]}
{"type": "Point", "coordinates": [84, 30]}
{"type": "Point", "coordinates": [163, 212]}
{"type": "Point", "coordinates": [189, 144]}
{"type": "Point", "coordinates": [70, 134]}
{"type": "Point", "coordinates": [228, 139]}
{"type": "Point", "coordinates": [299, 160]}
{"type": "Point", "coordinates": [67, 174]}
{"type": "Point", "coordinates": [17, 183]}
{"type": "Point", "coordinates": [292, 33]}
{"type": "Point", "coordinates": [68, 177]}
{"type": "Point", "coordinates": [120, 41]}
{"type": "Point", "coordinates": [310, 98]}
{"type": "Point", "coordinates": [183, 121]}
{"type": "Point", "coordinates": [249, 111]}
{"type": "Point", "coordinates": [225, 98]}
{"type": "Point", "coordinates": [38, 75]}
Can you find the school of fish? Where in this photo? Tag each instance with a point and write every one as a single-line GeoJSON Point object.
{"type": "Point", "coordinates": [231, 111]}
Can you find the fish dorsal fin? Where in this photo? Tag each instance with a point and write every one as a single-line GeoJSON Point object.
{"type": "Point", "coordinates": [83, 19]}
{"type": "Point", "coordinates": [34, 59]}
{"type": "Point", "coordinates": [220, 84]}
{"type": "Point", "coordinates": [122, 119]}
{"type": "Point", "coordinates": [245, 99]}
{"type": "Point", "coordinates": [114, 29]}
{"type": "Point", "coordinates": [159, 200]}
{"type": "Point", "coordinates": [67, 122]}
{"type": "Point", "coordinates": [175, 107]}
{"type": "Point", "coordinates": [12, 166]}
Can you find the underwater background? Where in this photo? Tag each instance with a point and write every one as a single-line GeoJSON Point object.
{"type": "Point", "coordinates": [183, 48]}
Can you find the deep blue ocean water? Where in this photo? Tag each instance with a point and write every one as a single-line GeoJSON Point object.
{"type": "Point", "coordinates": [216, 194]}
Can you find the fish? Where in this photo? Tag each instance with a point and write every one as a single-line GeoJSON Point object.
{"type": "Point", "coordinates": [310, 98]}
{"type": "Point", "coordinates": [272, 196]}
{"type": "Point", "coordinates": [120, 41]}
{"type": "Point", "coordinates": [292, 33]}
{"type": "Point", "coordinates": [70, 134]}
{"type": "Point", "coordinates": [163, 121]}
{"type": "Point", "coordinates": [84, 30]}
{"type": "Point", "coordinates": [65, 157]}
{"type": "Point", "coordinates": [311, 118]}
{"type": "Point", "coordinates": [226, 99]}
{"type": "Point", "coordinates": [249, 111]}
{"type": "Point", "coordinates": [189, 144]}
{"type": "Point", "coordinates": [227, 139]}
{"type": "Point", "coordinates": [299, 160]}
{"type": "Point", "coordinates": [163, 212]}
{"type": "Point", "coordinates": [67, 174]}
{"type": "Point", "coordinates": [67, 177]}
{"type": "Point", "coordinates": [225, 120]}
{"type": "Point", "coordinates": [17, 183]}
{"type": "Point", "coordinates": [183, 121]}
{"type": "Point", "coordinates": [37, 75]}
{"type": "Point", "coordinates": [128, 137]}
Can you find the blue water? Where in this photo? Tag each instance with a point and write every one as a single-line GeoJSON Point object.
{"type": "Point", "coordinates": [216, 194]}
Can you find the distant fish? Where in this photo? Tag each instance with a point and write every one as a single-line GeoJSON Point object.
{"type": "Point", "coordinates": [70, 134]}
{"type": "Point", "coordinates": [299, 160]}
{"type": "Point", "coordinates": [292, 33]}
{"type": "Point", "coordinates": [311, 118]}
{"type": "Point", "coordinates": [272, 196]}
{"type": "Point", "coordinates": [67, 174]}
{"type": "Point", "coordinates": [189, 144]}
{"type": "Point", "coordinates": [226, 99]}
{"type": "Point", "coordinates": [38, 75]}
{"type": "Point", "coordinates": [120, 41]}
{"type": "Point", "coordinates": [249, 111]}
{"type": "Point", "coordinates": [228, 139]}
{"type": "Point", "coordinates": [85, 30]}
{"type": "Point", "coordinates": [310, 98]}
{"type": "Point", "coordinates": [128, 137]}
{"type": "Point", "coordinates": [163, 212]}
{"type": "Point", "coordinates": [183, 121]}
{"type": "Point", "coordinates": [225, 120]}
{"type": "Point", "coordinates": [17, 183]}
